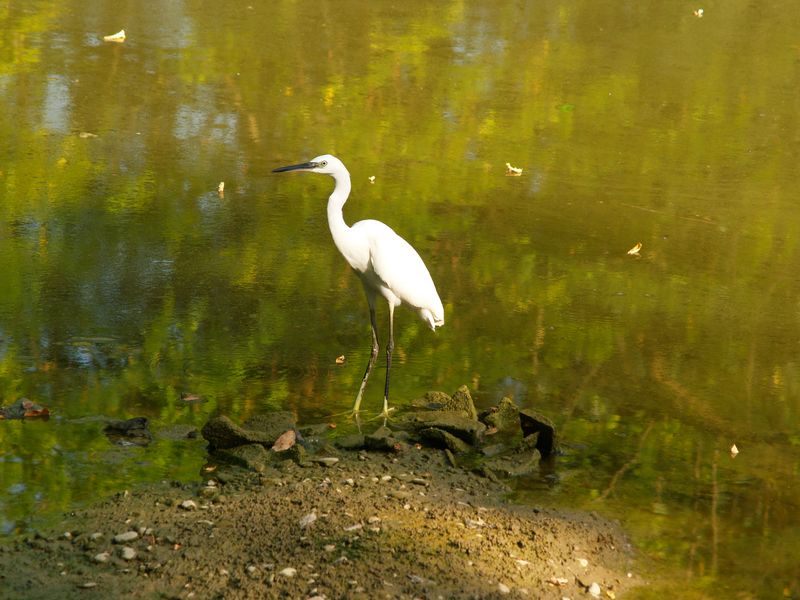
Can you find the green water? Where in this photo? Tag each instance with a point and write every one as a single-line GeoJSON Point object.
{"type": "Point", "coordinates": [126, 280]}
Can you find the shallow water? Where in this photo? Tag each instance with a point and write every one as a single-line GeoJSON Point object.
{"type": "Point", "coordinates": [127, 280]}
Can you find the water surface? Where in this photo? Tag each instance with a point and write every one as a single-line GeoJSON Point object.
{"type": "Point", "coordinates": [127, 280]}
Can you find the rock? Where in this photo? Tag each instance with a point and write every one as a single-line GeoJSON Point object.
{"type": "Point", "coordinates": [440, 438]}
{"type": "Point", "coordinates": [127, 553]}
{"type": "Point", "coordinates": [460, 402]}
{"type": "Point", "coordinates": [325, 461]}
{"type": "Point", "coordinates": [222, 433]}
{"type": "Point", "coordinates": [131, 432]}
{"type": "Point", "coordinates": [307, 520]}
{"type": "Point", "coordinates": [531, 422]}
{"type": "Point", "coordinates": [594, 589]}
{"type": "Point", "coordinates": [188, 505]}
{"type": "Point", "coordinates": [505, 417]}
{"type": "Point", "coordinates": [383, 439]}
{"type": "Point", "coordinates": [22, 409]}
{"type": "Point", "coordinates": [288, 572]}
{"type": "Point", "coordinates": [453, 422]}
{"type": "Point", "coordinates": [503, 588]}
{"type": "Point", "coordinates": [250, 456]}
{"type": "Point", "coordinates": [353, 441]}
{"type": "Point", "coordinates": [102, 557]}
{"type": "Point", "coordinates": [128, 536]}
{"type": "Point", "coordinates": [271, 424]}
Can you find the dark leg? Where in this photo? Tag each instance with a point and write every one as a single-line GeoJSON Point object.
{"type": "Point", "coordinates": [389, 348]}
{"type": "Point", "coordinates": [373, 355]}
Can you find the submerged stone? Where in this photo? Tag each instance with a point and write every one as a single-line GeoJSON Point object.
{"type": "Point", "coordinates": [250, 456]}
{"type": "Point", "coordinates": [440, 438]}
{"type": "Point", "coordinates": [223, 433]}
{"type": "Point", "coordinates": [453, 422]}
{"type": "Point", "coordinates": [505, 417]}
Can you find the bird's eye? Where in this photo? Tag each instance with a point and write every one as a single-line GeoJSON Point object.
{"type": "Point", "coordinates": [324, 163]}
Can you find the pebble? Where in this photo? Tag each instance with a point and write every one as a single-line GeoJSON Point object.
{"type": "Point", "coordinates": [373, 520]}
{"type": "Point", "coordinates": [288, 572]}
{"type": "Point", "coordinates": [583, 562]}
{"type": "Point", "coordinates": [102, 557]}
{"type": "Point", "coordinates": [88, 585]}
{"type": "Point", "coordinates": [503, 588]}
{"type": "Point", "coordinates": [307, 520]}
{"type": "Point", "coordinates": [128, 536]}
{"type": "Point", "coordinates": [594, 589]}
{"type": "Point", "coordinates": [95, 536]}
{"type": "Point", "coordinates": [188, 505]}
{"type": "Point", "coordinates": [127, 553]}
{"type": "Point", "coordinates": [329, 547]}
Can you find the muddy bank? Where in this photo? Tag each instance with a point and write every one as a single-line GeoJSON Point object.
{"type": "Point", "coordinates": [325, 521]}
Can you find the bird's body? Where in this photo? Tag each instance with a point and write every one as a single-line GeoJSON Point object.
{"type": "Point", "coordinates": [386, 264]}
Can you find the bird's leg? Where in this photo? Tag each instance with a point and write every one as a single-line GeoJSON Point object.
{"type": "Point", "coordinates": [373, 355]}
{"type": "Point", "coordinates": [389, 348]}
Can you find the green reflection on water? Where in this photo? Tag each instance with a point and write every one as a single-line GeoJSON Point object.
{"type": "Point", "coordinates": [127, 280]}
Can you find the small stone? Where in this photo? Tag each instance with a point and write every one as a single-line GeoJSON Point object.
{"type": "Point", "coordinates": [128, 536]}
{"type": "Point", "coordinates": [307, 520]}
{"type": "Point", "coordinates": [326, 461]}
{"type": "Point", "coordinates": [594, 589]}
{"type": "Point", "coordinates": [188, 505]}
{"type": "Point", "coordinates": [67, 535]}
{"type": "Point", "coordinates": [288, 572]}
{"type": "Point", "coordinates": [95, 536]}
{"type": "Point", "coordinates": [329, 547]}
{"type": "Point", "coordinates": [373, 520]}
{"type": "Point", "coordinates": [503, 588]}
{"type": "Point", "coordinates": [583, 562]}
{"type": "Point", "coordinates": [250, 569]}
{"type": "Point", "coordinates": [88, 585]}
{"type": "Point", "coordinates": [127, 553]}
{"type": "Point", "coordinates": [101, 558]}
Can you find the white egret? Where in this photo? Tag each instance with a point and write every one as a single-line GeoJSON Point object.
{"type": "Point", "coordinates": [386, 264]}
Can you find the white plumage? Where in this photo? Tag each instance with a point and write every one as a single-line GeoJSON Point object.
{"type": "Point", "coordinates": [386, 264]}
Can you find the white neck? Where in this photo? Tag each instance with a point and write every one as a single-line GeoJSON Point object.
{"type": "Point", "coordinates": [339, 229]}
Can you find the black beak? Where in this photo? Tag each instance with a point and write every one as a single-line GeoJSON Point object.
{"type": "Point", "coordinates": [306, 166]}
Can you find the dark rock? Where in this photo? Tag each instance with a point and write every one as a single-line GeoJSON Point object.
{"type": "Point", "coordinates": [505, 417]}
{"type": "Point", "coordinates": [460, 402]}
{"type": "Point", "coordinates": [272, 424]}
{"type": "Point", "coordinates": [383, 439]}
{"type": "Point", "coordinates": [353, 441]}
{"type": "Point", "coordinates": [131, 432]}
{"type": "Point", "coordinates": [532, 422]}
{"type": "Point", "coordinates": [22, 409]}
{"type": "Point", "coordinates": [440, 438]}
{"type": "Point", "coordinates": [250, 456]}
{"type": "Point", "coordinates": [453, 422]}
{"type": "Point", "coordinates": [223, 433]}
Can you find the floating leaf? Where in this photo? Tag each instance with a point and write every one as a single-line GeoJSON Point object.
{"type": "Point", "coordinates": [221, 188]}
{"type": "Point", "coordinates": [372, 178]}
{"type": "Point", "coordinates": [635, 250]}
{"type": "Point", "coordinates": [734, 451]}
{"type": "Point", "coordinates": [118, 37]}
{"type": "Point", "coordinates": [285, 441]}
{"type": "Point", "coordinates": [513, 171]}
{"type": "Point", "coordinates": [340, 360]}
{"type": "Point", "coordinates": [191, 398]}
{"type": "Point", "coordinates": [699, 13]}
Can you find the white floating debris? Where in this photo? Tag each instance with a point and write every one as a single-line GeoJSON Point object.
{"type": "Point", "coordinates": [372, 178]}
{"type": "Point", "coordinates": [635, 250]}
{"type": "Point", "coordinates": [734, 451]}
{"type": "Point", "coordinates": [118, 37]}
{"type": "Point", "coordinates": [699, 13]}
{"type": "Point", "coordinates": [513, 171]}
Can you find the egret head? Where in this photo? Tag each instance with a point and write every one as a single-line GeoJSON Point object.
{"type": "Point", "coordinates": [325, 164]}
